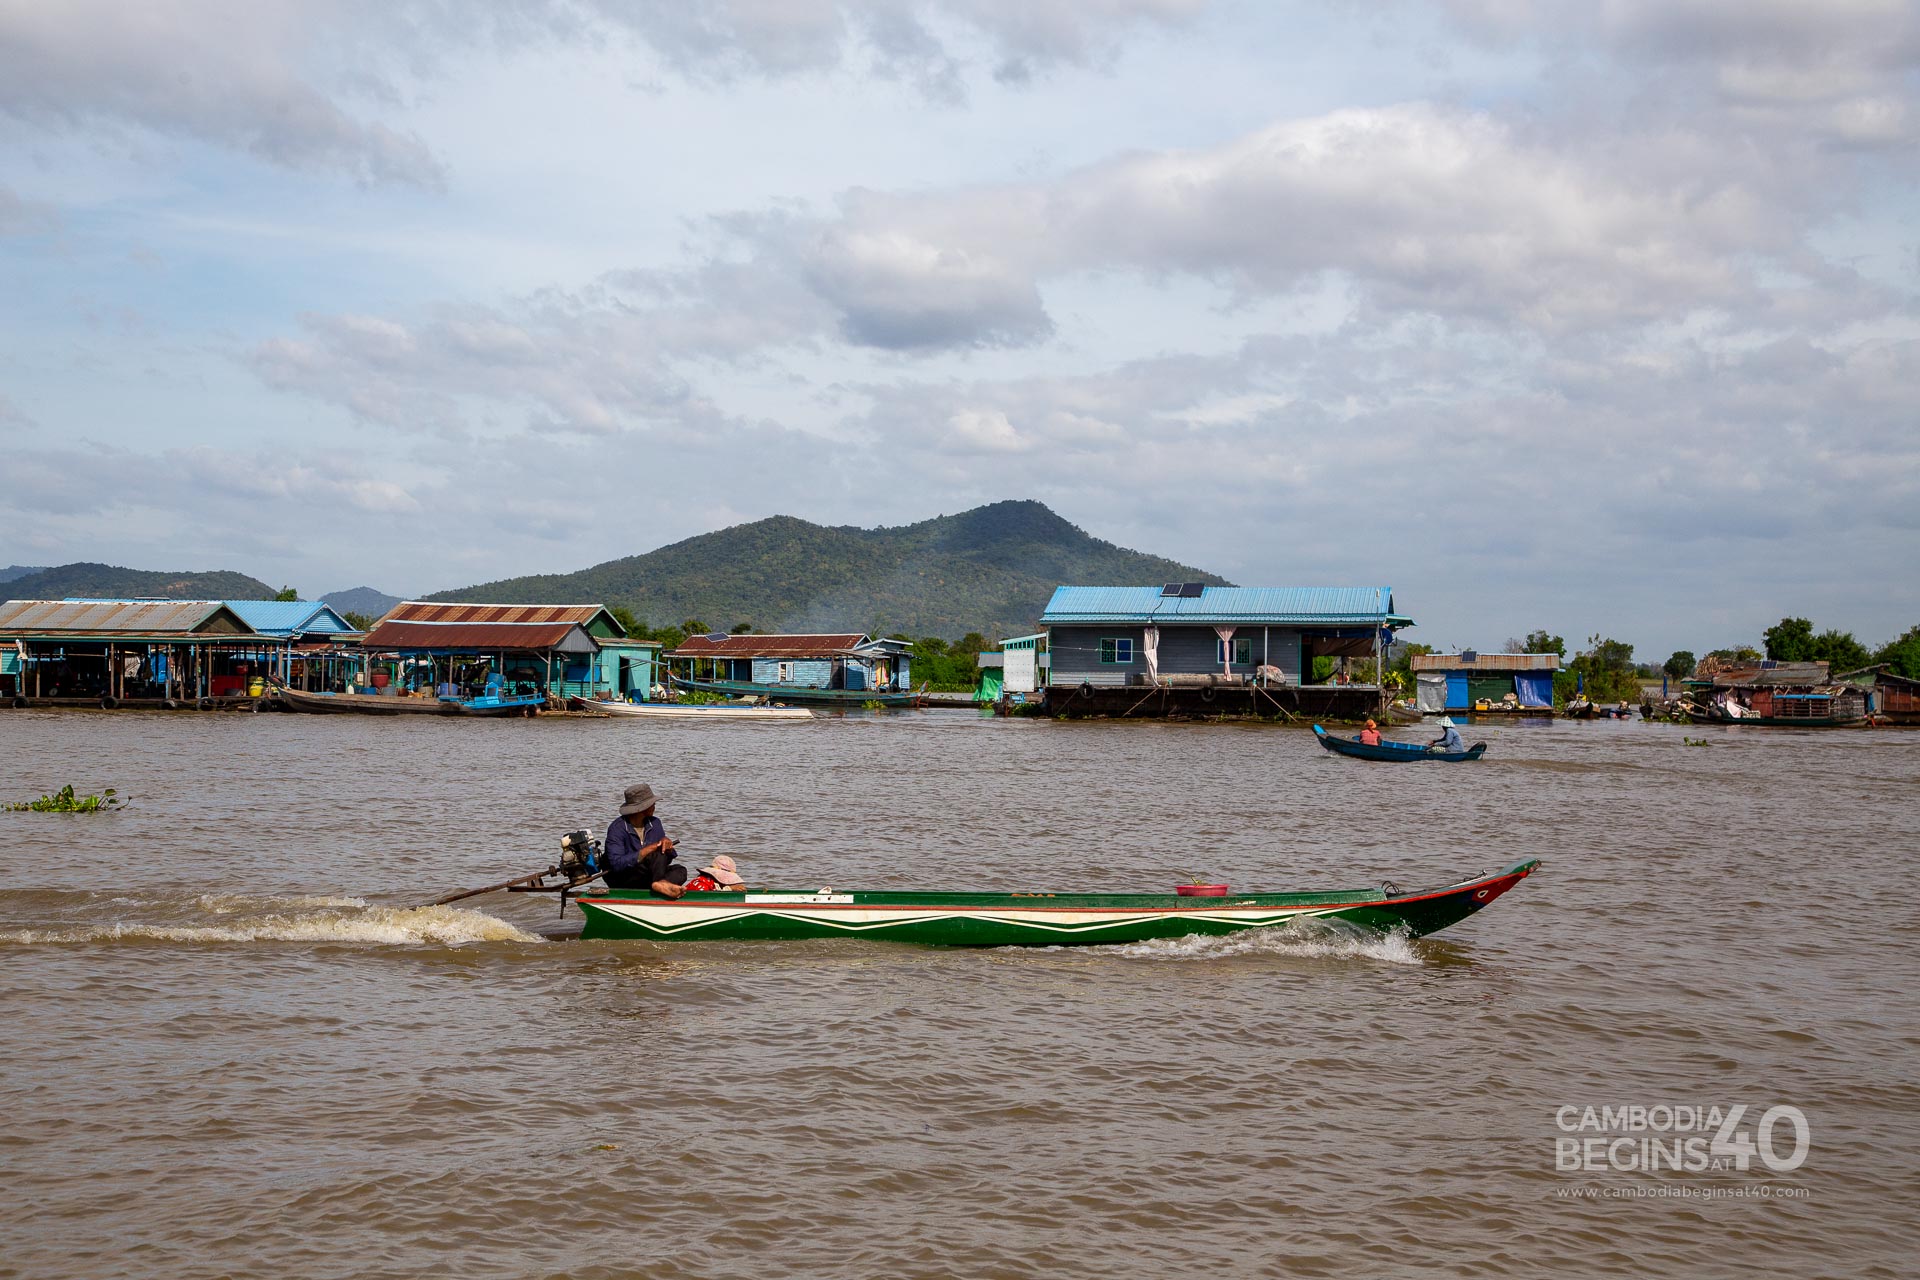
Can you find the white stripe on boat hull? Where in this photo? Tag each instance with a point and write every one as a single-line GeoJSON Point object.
{"type": "Point", "coordinates": [665, 920]}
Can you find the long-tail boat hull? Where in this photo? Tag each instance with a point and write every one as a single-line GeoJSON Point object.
{"type": "Point", "coordinates": [1029, 919]}
{"type": "Point", "coordinates": [796, 693]}
{"type": "Point", "coordinates": [1393, 752]}
{"type": "Point", "coordinates": [365, 704]}
{"type": "Point", "coordinates": [1780, 722]}
{"type": "Point", "coordinates": [689, 710]}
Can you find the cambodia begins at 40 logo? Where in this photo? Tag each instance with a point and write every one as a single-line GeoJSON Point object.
{"type": "Point", "coordinates": [1680, 1138]}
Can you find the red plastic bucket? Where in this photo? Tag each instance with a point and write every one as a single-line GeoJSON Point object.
{"type": "Point", "coordinates": [1201, 890]}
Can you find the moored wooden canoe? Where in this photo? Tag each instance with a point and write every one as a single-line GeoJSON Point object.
{"type": "Point", "coordinates": [366, 704]}
{"type": "Point", "coordinates": [1028, 919]}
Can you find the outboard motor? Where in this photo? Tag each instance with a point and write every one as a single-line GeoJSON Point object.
{"type": "Point", "coordinates": [579, 856]}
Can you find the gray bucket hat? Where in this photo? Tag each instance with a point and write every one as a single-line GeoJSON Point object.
{"type": "Point", "coordinates": [639, 799]}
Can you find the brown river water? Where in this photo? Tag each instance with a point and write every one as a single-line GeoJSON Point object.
{"type": "Point", "coordinates": [230, 1051]}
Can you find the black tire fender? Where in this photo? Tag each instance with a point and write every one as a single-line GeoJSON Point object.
{"type": "Point", "coordinates": [1206, 694]}
{"type": "Point", "coordinates": [19, 702]}
{"type": "Point", "coordinates": [108, 702]}
{"type": "Point", "coordinates": [204, 704]}
{"type": "Point", "coordinates": [1086, 688]}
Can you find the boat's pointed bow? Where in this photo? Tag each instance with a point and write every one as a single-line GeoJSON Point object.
{"type": "Point", "coordinates": [1493, 886]}
{"type": "Point", "coordinates": [1430, 910]}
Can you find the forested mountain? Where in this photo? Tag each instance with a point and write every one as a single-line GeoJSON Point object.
{"type": "Point", "coordinates": [111, 581]}
{"type": "Point", "coordinates": [13, 571]}
{"type": "Point", "coordinates": [361, 600]}
{"type": "Point", "coordinates": [989, 570]}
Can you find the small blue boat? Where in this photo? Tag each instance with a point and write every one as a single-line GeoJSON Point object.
{"type": "Point", "coordinates": [495, 700]}
{"type": "Point", "coordinates": [1394, 752]}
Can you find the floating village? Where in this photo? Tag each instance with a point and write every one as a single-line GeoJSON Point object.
{"type": "Point", "coordinates": [1178, 650]}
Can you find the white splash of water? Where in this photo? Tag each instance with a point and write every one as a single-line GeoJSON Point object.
{"type": "Point", "coordinates": [1317, 943]}
{"type": "Point", "coordinates": [437, 926]}
{"type": "Point", "coordinates": [226, 904]}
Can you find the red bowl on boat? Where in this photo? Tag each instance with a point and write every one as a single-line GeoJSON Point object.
{"type": "Point", "coordinates": [1201, 890]}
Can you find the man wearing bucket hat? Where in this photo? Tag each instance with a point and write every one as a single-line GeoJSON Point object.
{"type": "Point", "coordinates": [1449, 739]}
{"type": "Point", "coordinates": [639, 854]}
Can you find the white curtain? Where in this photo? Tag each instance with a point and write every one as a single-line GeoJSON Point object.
{"type": "Point", "coordinates": [1150, 650]}
{"type": "Point", "coordinates": [1226, 646]}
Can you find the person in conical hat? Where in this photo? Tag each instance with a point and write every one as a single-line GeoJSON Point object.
{"type": "Point", "coordinates": [722, 875]}
{"type": "Point", "coordinates": [1449, 739]}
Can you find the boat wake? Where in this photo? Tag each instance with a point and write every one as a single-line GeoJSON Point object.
{"type": "Point", "coordinates": [290, 920]}
{"type": "Point", "coordinates": [1314, 943]}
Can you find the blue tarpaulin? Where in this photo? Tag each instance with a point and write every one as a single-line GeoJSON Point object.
{"type": "Point", "coordinates": [1457, 699]}
{"type": "Point", "coordinates": [1534, 690]}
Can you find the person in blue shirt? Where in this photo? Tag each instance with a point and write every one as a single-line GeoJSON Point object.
{"type": "Point", "coordinates": [1449, 739]}
{"type": "Point", "coordinates": [638, 853]}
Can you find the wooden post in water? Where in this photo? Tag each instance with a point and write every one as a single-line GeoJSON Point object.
{"type": "Point", "coordinates": [1380, 665]}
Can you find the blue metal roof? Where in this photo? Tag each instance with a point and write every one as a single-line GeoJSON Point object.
{"type": "Point", "coordinates": [262, 617]}
{"type": "Point", "coordinates": [1308, 606]}
{"type": "Point", "coordinates": [290, 617]}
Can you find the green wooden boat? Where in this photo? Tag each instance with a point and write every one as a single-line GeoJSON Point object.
{"type": "Point", "coordinates": [802, 693]}
{"type": "Point", "coordinates": [1027, 919]}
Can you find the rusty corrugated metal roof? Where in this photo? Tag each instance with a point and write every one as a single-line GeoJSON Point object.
{"type": "Point", "coordinates": [389, 634]}
{"type": "Point", "coordinates": [430, 611]}
{"type": "Point", "coordinates": [1773, 675]}
{"type": "Point", "coordinates": [1487, 662]}
{"type": "Point", "coordinates": [117, 617]}
{"type": "Point", "coordinates": [794, 646]}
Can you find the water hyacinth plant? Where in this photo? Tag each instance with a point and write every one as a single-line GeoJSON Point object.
{"type": "Point", "coordinates": [64, 801]}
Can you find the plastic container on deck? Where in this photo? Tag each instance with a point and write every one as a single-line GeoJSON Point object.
{"type": "Point", "coordinates": [1201, 890]}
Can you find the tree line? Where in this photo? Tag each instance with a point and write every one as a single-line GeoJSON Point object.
{"type": "Point", "coordinates": [946, 665]}
{"type": "Point", "coordinates": [1606, 669]}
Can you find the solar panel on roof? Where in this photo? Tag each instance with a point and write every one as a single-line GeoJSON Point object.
{"type": "Point", "coordinates": [1173, 589]}
{"type": "Point", "coordinates": [1191, 590]}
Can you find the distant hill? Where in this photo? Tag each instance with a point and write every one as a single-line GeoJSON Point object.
{"type": "Point", "coordinates": [13, 571]}
{"type": "Point", "coordinates": [989, 570]}
{"type": "Point", "coordinates": [360, 600]}
{"type": "Point", "coordinates": [111, 581]}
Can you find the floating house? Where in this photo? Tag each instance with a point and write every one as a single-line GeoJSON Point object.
{"type": "Point", "coordinates": [1485, 682]}
{"type": "Point", "coordinates": [1017, 671]}
{"type": "Point", "coordinates": [833, 667]}
{"type": "Point", "coordinates": [310, 645]}
{"type": "Point", "coordinates": [1891, 697]}
{"type": "Point", "coordinates": [1772, 693]}
{"type": "Point", "coordinates": [423, 648]}
{"type": "Point", "coordinates": [135, 652]}
{"type": "Point", "coordinates": [1193, 648]}
{"type": "Point", "coordinates": [1896, 697]}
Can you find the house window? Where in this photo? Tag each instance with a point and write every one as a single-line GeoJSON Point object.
{"type": "Point", "coordinates": [1242, 651]}
{"type": "Point", "coordinates": [1117, 650]}
{"type": "Point", "coordinates": [782, 672]}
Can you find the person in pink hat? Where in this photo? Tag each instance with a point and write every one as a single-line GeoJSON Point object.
{"type": "Point", "coordinates": [722, 876]}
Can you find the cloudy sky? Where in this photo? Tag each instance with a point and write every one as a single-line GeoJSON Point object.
{"type": "Point", "coordinates": [1598, 316]}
